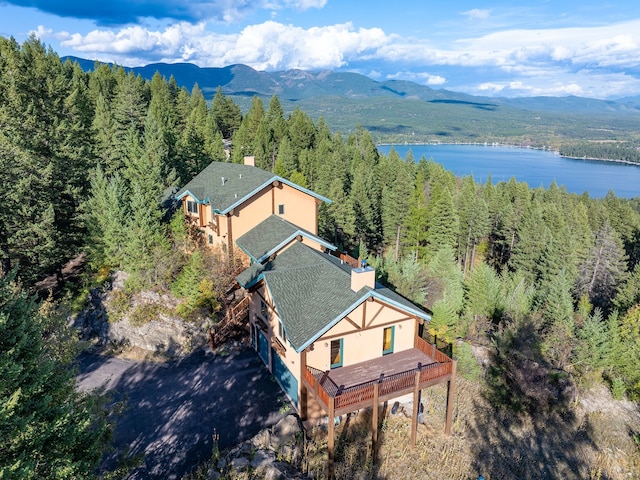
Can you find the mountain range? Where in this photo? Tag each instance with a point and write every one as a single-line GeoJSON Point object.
{"type": "Point", "coordinates": [396, 110]}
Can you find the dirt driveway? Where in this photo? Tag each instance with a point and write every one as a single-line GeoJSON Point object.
{"type": "Point", "coordinates": [173, 408]}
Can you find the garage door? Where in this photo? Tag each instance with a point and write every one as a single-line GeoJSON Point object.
{"type": "Point", "coordinates": [285, 378]}
{"type": "Point", "coordinates": [263, 348]}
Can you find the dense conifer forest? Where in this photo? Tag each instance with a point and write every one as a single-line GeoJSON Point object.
{"type": "Point", "coordinates": [88, 162]}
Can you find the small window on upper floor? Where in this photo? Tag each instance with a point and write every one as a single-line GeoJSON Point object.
{"type": "Point", "coordinates": [192, 207]}
{"type": "Point", "coordinates": [281, 333]}
{"type": "Point", "coordinates": [281, 209]}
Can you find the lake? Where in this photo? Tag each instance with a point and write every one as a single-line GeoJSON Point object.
{"type": "Point", "coordinates": [535, 167]}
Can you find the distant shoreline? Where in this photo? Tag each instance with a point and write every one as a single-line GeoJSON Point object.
{"type": "Point", "coordinates": [507, 145]}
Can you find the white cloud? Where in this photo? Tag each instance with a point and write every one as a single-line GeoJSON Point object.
{"type": "Point", "coordinates": [305, 4]}
{"type": "Point", "coordinates": [581, 61]}
{"type": "Point", "coordinates": [266, 46]}
{"type": "Point", "coordinates": [418, 77]}
{"type": "Point", "coordinates": [477, 14]}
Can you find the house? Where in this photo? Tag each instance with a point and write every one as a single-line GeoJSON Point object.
{"type": "Point", "coordinates": [226, 200]}
{"type": "Point", "coordinates": [334, 338]}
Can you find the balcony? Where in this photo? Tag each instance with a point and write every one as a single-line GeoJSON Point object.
{"type": "Point", "coordinates": [345, 389]}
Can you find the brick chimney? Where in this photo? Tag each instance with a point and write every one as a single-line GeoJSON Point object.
{"type": "Point", "coordinates": [363, 277]}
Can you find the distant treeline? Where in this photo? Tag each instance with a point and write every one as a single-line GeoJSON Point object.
{"type": "Point", "coordinates": [602, 151]}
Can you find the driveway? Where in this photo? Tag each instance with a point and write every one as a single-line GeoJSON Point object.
{"type": "Point", "coordinates": [172, 409]}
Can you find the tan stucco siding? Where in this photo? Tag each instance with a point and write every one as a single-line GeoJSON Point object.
{"type": "Point", "coordinates": [256, 313]}
{"type": "Point", "coordinates": [312, 243]}
{"type": "Point", "coordinates": [363, 344]}
{"type": "Point", "coordinates": [251, 213]}
{"type": "Point", "coordinates": [299, 208]}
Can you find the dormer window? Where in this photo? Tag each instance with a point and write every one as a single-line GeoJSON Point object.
{"type": "Point", "coordinates": [192, 207]}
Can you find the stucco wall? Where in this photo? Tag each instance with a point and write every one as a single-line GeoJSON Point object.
{"type": "Point", "coordinates": [362, 344]}
{"type": "Point", "coordinates": [299, 207]}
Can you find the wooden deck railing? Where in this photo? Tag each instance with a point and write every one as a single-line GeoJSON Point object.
{"type": "Point", "coordinates": [431, 350]}
{"type": "Point", "coordinates": [235, 316]}
{"type": "Point", "coordinates": [321, 383]}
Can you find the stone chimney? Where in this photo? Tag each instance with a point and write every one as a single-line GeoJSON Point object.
{"type": "Point", "coordinates": [363, 277]}
{"type": "Point", "coordinates": [250, 160]}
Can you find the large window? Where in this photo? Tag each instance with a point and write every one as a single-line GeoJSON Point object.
{"type": "Point", "coordinates": [192, 207]}
{"type": "Point", "coordinates": [387, 340]}
{"type": "Point", "coordinates": [336, 353]}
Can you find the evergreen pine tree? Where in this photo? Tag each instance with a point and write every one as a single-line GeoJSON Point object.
{"type": "Point", "coordinates": [49, 429]}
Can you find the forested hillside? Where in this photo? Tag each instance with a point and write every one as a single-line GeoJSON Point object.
{"type": "Point", "coordinates": [548, 279]}
{"type": "Point", "coordinates": [396, 111]}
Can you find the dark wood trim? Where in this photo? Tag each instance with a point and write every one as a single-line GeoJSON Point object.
{"type": "Point", "coordinates": [273, 200]}
{"type": "Point", "coordinates": [364, 315]}
{"type": "Point", "coordinates": [399, 310]}
{"type": "Point", "coordinates": [229, 235]}
{"type": "Point", "coordinates": [268, 304]}
{"type": "Point", "coordinates": [375, 315]}
{"type": "Point", "coordinates": [303, 393]}
{"type": "Point", "coordinates": [352, 323]}
{"type": "Point", "coordinates": [277, 345]}
{"type": "Point", "coordinates": [387, 324]}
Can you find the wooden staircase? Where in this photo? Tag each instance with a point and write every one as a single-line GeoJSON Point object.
{"type": "Point", "coordinates": [236, 315]}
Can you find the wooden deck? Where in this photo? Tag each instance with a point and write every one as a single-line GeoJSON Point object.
{"type": "Point", "coordinates": [352, 387]}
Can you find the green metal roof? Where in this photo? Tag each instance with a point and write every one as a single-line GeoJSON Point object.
{"type": "Point", "coordinates": [312, 292]}
{"type": "Point", "coordinates": [271, 235]}
{"type": "Point", "coordinates": [227, 185]}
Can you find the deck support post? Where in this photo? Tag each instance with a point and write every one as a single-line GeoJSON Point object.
{"type": "Point", "coordinates": [414, 416]}
{"type": "Point", "coordinates": [451, 390]}
{"type": "Point", "coordinates": [374, 422]}
{"type": "Point", "coordinates": [331, 425]}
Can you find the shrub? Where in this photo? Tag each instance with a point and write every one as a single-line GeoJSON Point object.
{"type": "Point", "coordinates": [144, 313]}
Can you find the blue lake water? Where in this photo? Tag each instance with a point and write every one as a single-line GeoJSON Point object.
{"type": "Point", "coordinates": [535, 167]}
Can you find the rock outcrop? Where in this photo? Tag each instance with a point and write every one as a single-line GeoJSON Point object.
{"type": "Point", "coordinates": [276, 453]}
{"type": "Point", "coordinates": [161, 332]}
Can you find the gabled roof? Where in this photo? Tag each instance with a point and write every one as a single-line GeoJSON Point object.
{"type": "Point", "coordinates": [311, 292]}
{"type": "Point", "coordinates": [227, 185]}
{"type": "Point", "coordinates": [272, 234]}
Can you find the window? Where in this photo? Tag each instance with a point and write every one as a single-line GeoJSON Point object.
{"type": "Point", "coordinates": [336, 353]}
{"type": "Point", "coordinates": [281, 209]}
{"type": "Point", "coordinates": [263, 309]}
{"type": "Point", "coordinates": [192, 207]}
{"type": "Point", "coordinates": [210, 239]}
{"type": "Point", "coordinates": [281, 332]}
{"type": "Point", "coordinates": [387, 340]}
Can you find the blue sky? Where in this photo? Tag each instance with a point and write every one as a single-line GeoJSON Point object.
{"type": "Point", "coordinates": [493, 48]}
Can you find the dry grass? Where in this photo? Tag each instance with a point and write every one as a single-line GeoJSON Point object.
{"type": "Point", "coordinates": [575, 443]}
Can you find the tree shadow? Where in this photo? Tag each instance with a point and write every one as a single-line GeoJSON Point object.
{"type": "Point", "coordinates": [174, 408]}
{"type": "Point", "coordinates": [526, 426]}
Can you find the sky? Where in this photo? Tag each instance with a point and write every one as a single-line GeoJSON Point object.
{"type": "Point", "coordinates": [492, 48]}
